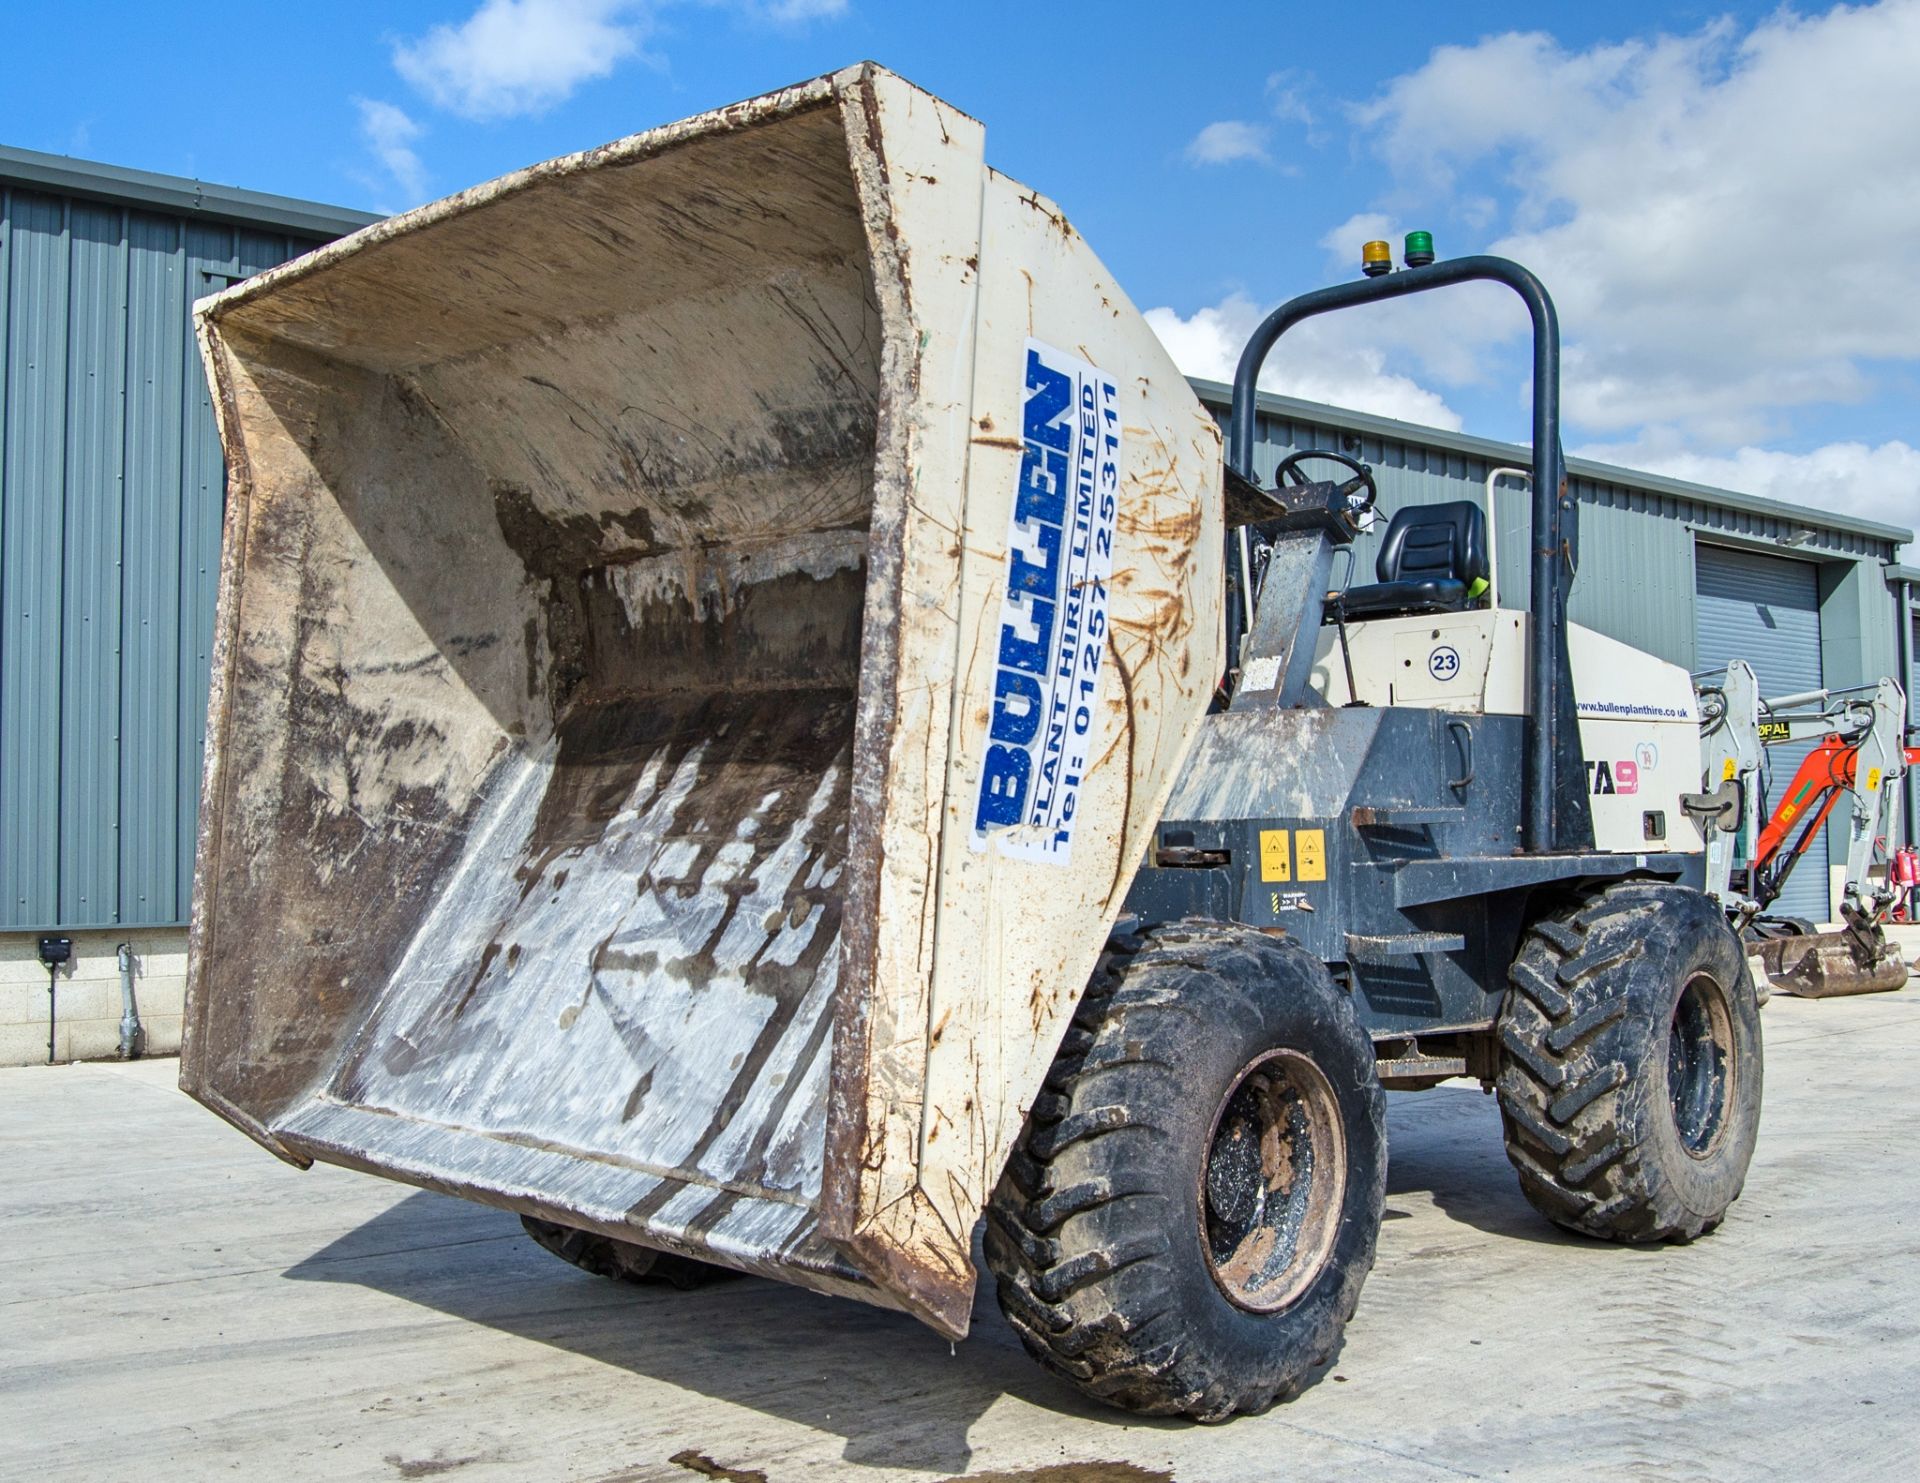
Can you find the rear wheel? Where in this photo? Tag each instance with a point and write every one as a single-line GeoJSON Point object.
{"type": "Point", "coordinates": [1192, 1208]}
{"type": "Point", "coordinates": [1631, 1076]}
{"type": "Point", "coordinates": [624, 1261]}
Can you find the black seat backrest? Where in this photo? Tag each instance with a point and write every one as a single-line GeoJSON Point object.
{"type": "Point", "coordinates": [1447, 542]}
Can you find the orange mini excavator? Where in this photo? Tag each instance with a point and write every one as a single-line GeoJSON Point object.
{"type": "Point", "coordinates": [1829, 771]}
{"type": "Point", "coordinates": [1861, 753]}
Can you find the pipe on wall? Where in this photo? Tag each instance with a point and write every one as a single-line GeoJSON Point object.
{"type": "Point", "coordinates": [129, 1012]}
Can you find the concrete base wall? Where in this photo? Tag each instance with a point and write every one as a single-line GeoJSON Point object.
{"type": "Point", "coordinates": [87, 1018]}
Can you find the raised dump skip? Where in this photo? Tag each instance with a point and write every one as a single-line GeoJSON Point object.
{"type": "Point", "coordinates": [677, 742]}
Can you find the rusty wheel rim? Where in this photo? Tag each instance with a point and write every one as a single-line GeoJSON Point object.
{"type": "Point", "coordinates": [1273, 1181]}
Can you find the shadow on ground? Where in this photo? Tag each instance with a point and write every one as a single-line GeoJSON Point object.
{"type": "Point", "coordinates": [895, 1392]}
{"type": "Point", "coordinates": [1446, 1143]}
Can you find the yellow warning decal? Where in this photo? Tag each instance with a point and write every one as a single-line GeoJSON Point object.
{"type": "Point", "coordinates": [1313, 854]}
{"type": "Point", "coordinates": [1727, 770]}
{"type": "Point", "coordinates": [1873, 779]}
{"type": "Point", "coordinates": [1276, 855]}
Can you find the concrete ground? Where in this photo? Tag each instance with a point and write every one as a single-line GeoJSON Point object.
{"type": "Point", "coordinates": [175, 1304]}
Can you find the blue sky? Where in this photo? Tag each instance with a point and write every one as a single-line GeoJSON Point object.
{"type": "Point", "coordinates": [1725, 200]}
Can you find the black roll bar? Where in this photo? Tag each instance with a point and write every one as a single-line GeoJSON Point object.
{"type": "Point", "coordinates": [1546, 657]}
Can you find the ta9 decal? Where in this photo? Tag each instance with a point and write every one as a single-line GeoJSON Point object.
{"type": "Point", "coordinates": [1622, 776]}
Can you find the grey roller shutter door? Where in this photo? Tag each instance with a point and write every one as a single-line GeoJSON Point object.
{"type": "Point", "coordinates": [1766, 610]}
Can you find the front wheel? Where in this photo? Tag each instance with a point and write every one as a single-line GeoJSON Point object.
{"type": "Point", "coordinates": [1631, 1075]}
{"type": "Point", "coordinates": [1193, 1206]}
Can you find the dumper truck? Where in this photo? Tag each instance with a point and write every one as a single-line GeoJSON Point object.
{"type": "Point", "coordinates": [755, 724]}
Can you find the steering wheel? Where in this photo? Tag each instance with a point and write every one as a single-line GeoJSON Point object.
{"type": "Point", "coordinates": [1362, 480]}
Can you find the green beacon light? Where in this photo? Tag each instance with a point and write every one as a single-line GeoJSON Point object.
{"type": "Point", "coordinates": [1419, 249]}
{"type": "Point", "coordinates": [1376, 258]}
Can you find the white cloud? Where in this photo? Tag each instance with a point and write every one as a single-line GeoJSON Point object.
{"type": "Point", "coordinates": [1314, 361]}
{"type": "Point", "coordinates": [1286, 97]}
{"type": "Point", "coordinates": [1728, 221]}
{"type": "Point", "coordinates": [521, 56]}
{"type": "Point", "coordinates": [513, 57]}
{"type": "Point", "coordinates": [1227, 141]}
{"type": "Point", "coordinates": [797, 12]}
{"type": "Point", "coordinates": [390, 134]}
{"type": "Point", "coordinates": [1876, 483]}
{"type": "Point", "coordinates": [1342, 244]}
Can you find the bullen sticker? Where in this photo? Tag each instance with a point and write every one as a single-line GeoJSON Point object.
{"type": "Point", "coordinates": [1053, 611]}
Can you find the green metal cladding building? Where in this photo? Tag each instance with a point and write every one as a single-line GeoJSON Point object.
{"type": "Point", "coordinates": [111, 492]}
{"type": "Point", "coordinates": [111, 495]}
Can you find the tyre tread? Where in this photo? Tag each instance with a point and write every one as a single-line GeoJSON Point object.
{"type": "Point", "coordinates": [1568, 1050]}
{"type": "Point", "coordinates": [1081, 1276]}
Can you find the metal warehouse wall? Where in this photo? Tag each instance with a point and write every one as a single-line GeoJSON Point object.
{"type": "Point", "coordinates": [111, 495]}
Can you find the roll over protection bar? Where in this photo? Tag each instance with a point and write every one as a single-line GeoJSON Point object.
{"type": "Point", "coordinates": [1557, 816]}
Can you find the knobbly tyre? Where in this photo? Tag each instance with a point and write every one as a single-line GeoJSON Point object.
{"type": "Point", "coordinates": [732, 737]}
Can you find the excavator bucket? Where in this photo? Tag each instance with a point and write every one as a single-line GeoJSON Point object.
{"type": "Point", "coordinates": [707, 627]}
{"type": "Point", "coordinates": [1831, 965]}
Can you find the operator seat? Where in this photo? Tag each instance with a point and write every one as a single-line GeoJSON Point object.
{"type": "Point", "coordinates": [1433, 560]}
